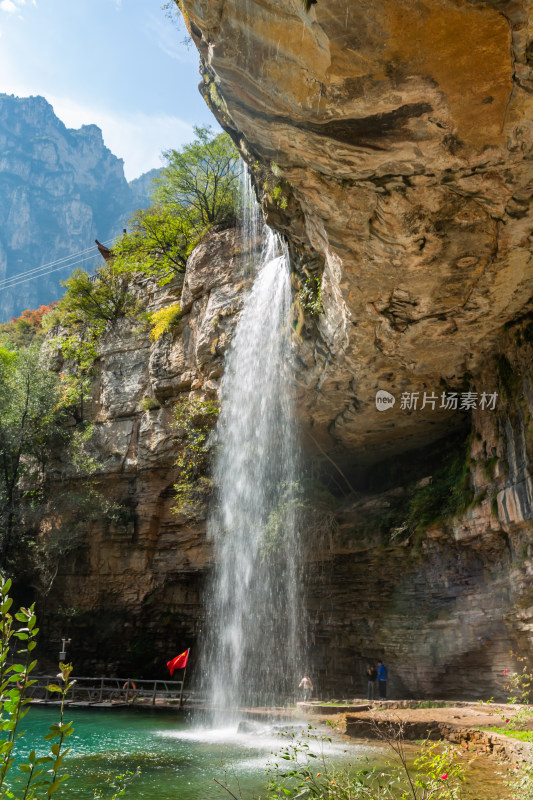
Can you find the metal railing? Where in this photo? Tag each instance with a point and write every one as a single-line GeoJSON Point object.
{"type": "Point", "coordinates": [100, 690]}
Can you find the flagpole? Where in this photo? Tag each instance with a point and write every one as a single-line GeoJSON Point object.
{"type": "Point", "coordinates": [182, 685]}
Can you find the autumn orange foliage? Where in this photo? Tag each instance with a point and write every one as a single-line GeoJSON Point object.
{"type": "Point", "coordinates": [34, 316]}
{"type": "Point", "coordinates": [23, 330]}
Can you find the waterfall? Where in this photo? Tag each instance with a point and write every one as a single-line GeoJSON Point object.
{"type": "Point", "coordinates": [253, 612]}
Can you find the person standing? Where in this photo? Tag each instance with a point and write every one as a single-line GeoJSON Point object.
{"type": "Point", "coordinates": [383, 676]}
{"type": "Point", "coordinates": [372, 676]}
{"type": "Point", "coordinates": [307, 686]}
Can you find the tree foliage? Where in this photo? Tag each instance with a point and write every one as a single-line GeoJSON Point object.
{"type": "Point", "coordinates": [202, 178]}
{"type": "Point", "coordinates": [34, 778]}
{"type": "Point", "coordinates": [163, 320]}
{"type": "Point", "coordinates": [89, 306]}
{"type": "Point", "coordinates": [197, 188]}
{"type": "Point", "coordinates": [30, 414]}
{"type": "Point", "coordinates": [23, 330]}
{"type": "Point", "coordinates": [36, 449]}
{"type": "Point", "coordinates": [102, 299]}
{"type": "Point", "coordinates": [160, 240]}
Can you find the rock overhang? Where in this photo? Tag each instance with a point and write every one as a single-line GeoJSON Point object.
{"type": "Point", "coordinates": [404, 135]}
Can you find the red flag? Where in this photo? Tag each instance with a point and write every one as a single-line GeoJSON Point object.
{"type": "Point", "coordinates": [180, 662]}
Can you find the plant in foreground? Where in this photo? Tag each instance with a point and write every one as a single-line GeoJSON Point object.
{"type": "Point", "coordinates": [40, 776]}
{"type": "Point", "coordinates": [296, 771]}
{"type": "Point", "coordinates": [37, 777]}
{"type": "Point", "coordinates": [520, 687]}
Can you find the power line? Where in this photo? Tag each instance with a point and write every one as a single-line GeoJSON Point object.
{"type": "Point", "coordinates": [49, 264]}
{"type": "Point", "coordinates": [28, 274]}
{"type": "Point", "coordinates": [56, 269]}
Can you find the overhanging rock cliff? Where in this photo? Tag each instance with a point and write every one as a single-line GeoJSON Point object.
{"type": "Point", "coordinates": [397, 140]}
{"type": "Point", "coordinates": [392, 144]}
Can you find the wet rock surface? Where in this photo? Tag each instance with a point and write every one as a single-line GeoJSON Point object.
{"type": "Point", "coordinates": [444, 606]}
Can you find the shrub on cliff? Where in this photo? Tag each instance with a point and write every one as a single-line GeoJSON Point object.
{"type": "Point", "coordinates": [104, 298]}
{"type": "Point", "coordinates": [194, 419]}
{"type": "Point", "coordinates": [164, 320]}
{"type": "Point", "coordinates": [89, 307]}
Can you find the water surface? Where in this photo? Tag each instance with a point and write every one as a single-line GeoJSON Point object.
{"type": "Point", "coordinates": [178, 761]}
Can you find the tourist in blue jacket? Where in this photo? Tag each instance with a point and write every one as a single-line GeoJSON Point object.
{"type": "Point", "coordinates": [383, 677]}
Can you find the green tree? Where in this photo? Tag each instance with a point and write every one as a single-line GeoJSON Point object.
{"type": "Point", "coordinates": [196, 189]}
{"type": "Point", "coordinates": [30, 412]}
{"type": "Point", "coordinates": [89, 306]}
{"type": "Point", "coordinates": [160, 240]}
{"type": "Point", "coordinates": [202, 178]}
{"type": "Point", "coordinates": [104, 298]}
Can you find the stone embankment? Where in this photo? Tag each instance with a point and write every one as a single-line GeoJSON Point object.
{"type": "Point", "coordinates": [462, 724]}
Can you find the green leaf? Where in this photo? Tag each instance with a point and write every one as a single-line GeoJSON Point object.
{"type": "Point", "coordinates": [56, 784]}
{"type": "Point", "coordinates": [6, 605]}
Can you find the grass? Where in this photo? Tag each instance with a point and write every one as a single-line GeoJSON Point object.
{"type": "Point", "coordinates": [432, 704]}
{"type": "Point", "coordinates": [523, 736]}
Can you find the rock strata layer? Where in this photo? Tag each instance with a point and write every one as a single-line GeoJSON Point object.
{"type": "Point", "coordinates": [439, 604]}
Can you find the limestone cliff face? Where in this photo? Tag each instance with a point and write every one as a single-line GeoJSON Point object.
{"type": "Point", "coordinates": [396, 140]}
{"type": "Point", "coordinates": [131, 594]}
{"type": "Point", "coordinates": [441, 604]}
{"type": "Point", "coordinates": [391, 143]}
{"type": "Point", "coordinates": [449, 604]}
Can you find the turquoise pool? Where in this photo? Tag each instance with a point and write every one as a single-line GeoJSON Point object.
{"type": "Point", "coordinates": [178, 760]}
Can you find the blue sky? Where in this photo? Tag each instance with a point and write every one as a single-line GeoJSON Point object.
{"type": "Point", "coordinates": [120, 64]}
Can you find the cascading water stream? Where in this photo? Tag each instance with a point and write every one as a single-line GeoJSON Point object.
{"type": "Point", "coordinates": [253, 615]}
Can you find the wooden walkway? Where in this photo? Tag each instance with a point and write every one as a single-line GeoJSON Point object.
{"type": "Point", "coordinates": [109, 692]}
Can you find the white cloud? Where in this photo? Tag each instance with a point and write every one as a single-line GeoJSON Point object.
{"type": "Point", "coordinates": [138, 138]}
{"type": "Point", "coordinates": [9, 6]}
{"type": "Point", "coordinates": [13, 5]}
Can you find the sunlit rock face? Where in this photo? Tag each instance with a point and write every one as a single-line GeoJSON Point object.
{"type": "Point", "coordinates": [404, 132]}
